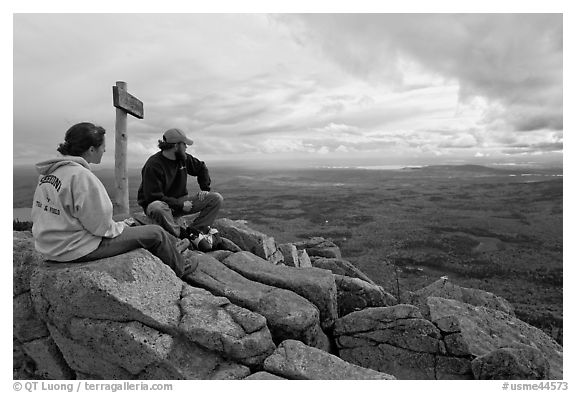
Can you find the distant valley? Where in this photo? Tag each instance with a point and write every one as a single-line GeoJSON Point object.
{"type": "Point", "coordinates": [497, 229]}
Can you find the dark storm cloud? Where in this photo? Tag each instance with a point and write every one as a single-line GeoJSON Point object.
{"type": "Point", "coordinates": [533, 148]}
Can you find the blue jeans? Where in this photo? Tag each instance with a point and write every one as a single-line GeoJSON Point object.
{"type": "Point", "coordinates": [150, 237]}
{"type": "Point", "coordinates": [208, 207]}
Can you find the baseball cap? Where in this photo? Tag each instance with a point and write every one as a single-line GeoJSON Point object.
{"type": "Point", "coordinates": [176, 135]}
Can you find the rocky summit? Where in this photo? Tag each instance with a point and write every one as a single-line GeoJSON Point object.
{"type": "Point", "coordinates": [256, 310]}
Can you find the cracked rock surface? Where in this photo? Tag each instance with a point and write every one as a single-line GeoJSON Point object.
{"type": "Point", "coordinates": [289, 315]}
{"type": "Point", "coordinates": [248, 239]}
{"type": "Point", "coordinates": [315, 285]}
{"type": "Point", "coordinates": [355, 294]}
{"type": "Point", "coordinates": [295, 360]}
{"type": "Point", "coordinates": [446, 289]}
{"type": "Point", "coordinates": [397, 340]}
{"type": "Point", "coordinates": [341, 267]}
{"type": "Point", "coordinates": [130, 317]}
{"type": "Point", "coordinates": [483, 330]}
{"type": "Point", "coordinates": [518, 362]}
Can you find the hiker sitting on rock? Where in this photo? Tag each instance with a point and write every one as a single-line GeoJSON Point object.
{"type": "Point", "coordinates": [163, 194]}
{"type": "Point", "coordinates": [72, 212]}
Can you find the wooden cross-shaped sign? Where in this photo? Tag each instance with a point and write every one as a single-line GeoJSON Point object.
{"type": "Point", "coordinates": [125, 103]}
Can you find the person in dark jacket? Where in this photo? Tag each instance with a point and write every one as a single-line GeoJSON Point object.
{"type": "Point", "coordinates": [163, 194]}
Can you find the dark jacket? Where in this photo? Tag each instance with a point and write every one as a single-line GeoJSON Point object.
{"type": "Point", "coordinates": [165, 180]}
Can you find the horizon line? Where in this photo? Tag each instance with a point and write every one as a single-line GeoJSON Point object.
{"type": "Point", "coordinates": [253, 164]}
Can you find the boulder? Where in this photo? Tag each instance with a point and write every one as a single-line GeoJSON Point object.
{"type": "Point", "coordinates": [26, 325]}
{"type": "Point", "coordinates": [130, 350]}
{"type": "Point", "coordinates": [342, 267]}
{"type": "Point", "coordinates": [294, 257]}
{"type": "Point", "coordinates": [355, 294]}
{"type": "Point", "coordinates": [375, 318]}
{"type": "Point", "coordinates": [220, 254]}
{"type": "Point", "coordinates": [23, 366]}
{"type": "Point", "coordinates": [295, 360]}
{"type": "Point", "coordinates": [386, 358]}
{"type": "Point", "coordinates": [216, 324]}
{"type": "Point", "coordinates": [19, 357]}
{"type": "Point", "coordinates": [303, 259]}
{"type": "Point", "coordinates": [25, 259]}
{"type": "Point", "coordinates": [453, 368]}
{"type": "Point", "coordinates": [521, 362]}
{"type": "Point", "coordinates": [263, 375]}
{"type": "Point", "coordinates": [319, 247]}
{"type": "Point", "coordinates": [315, 285]}
{"type": "Point", "coordinates": [288, 314]}
{"type": "Point", "coordinates": [290, 254]}
{"type": "Point", "coordinates": [227, 245]}
{"type": "Point", "coordinates": [49, 361]}
{"type": "Point", "coordinates": [135, 286]}
{"type": "Point", "coordinates": [445, 289]}
{"type": "Point", "coordinates": [397, 340]}
{"type": "Point", "coordinates": [129, 317]}
{"type": "Point", "coordinates": [483, 330]}
{"type": "Point", "coordinates": [29, 331]}
{"type": "Point", "coordinates": [249, 239]}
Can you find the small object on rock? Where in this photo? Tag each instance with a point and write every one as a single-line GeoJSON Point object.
{"type": "Point", "coordinates": [204, 242]}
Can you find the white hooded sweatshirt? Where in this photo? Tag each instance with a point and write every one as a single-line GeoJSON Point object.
{"type": "Point", "coordinates": [71, 211]}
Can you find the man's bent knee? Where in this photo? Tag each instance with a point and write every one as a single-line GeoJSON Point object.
{"type": "Point", "coordinates": [217, 198]}
{"type": "Point", "coordinates": [157, 207]}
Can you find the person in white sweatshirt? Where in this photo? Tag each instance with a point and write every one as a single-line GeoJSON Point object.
{"type": "Point", "coordinates": [72, 212]}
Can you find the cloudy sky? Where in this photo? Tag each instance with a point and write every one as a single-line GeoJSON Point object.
{"type": "Point", "coordinates": [311, 89]}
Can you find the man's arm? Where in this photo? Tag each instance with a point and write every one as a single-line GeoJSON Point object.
{"type": "Point", "coordinates": [153, 187]}
{"type": "Point", "coordinates": [198, 168]}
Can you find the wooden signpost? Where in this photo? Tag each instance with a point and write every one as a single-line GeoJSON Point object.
{"type": "Point", "coordinates": [125, 104]}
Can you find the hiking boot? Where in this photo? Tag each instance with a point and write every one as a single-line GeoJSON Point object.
{"type": "Point", "coordinates": [202, 242]}
{"type": "Point", "coordinates": [184, 234]}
